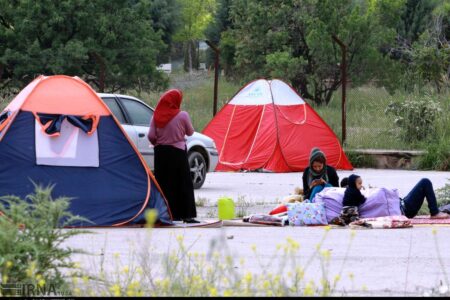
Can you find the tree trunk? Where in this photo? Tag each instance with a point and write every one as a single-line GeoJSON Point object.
{"type": "Point", "coordinates": [190, 56]}
{"type": "Point", "coordinates": [101, 72]}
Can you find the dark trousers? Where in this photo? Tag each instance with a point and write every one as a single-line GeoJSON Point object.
{"type": "Point", "coordinates": [414, 200]}
{"type": "Point", "coordinates": [174, 177]}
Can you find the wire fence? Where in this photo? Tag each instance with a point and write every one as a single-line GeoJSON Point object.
{"type": "Point", "coordinates": [370, 124]}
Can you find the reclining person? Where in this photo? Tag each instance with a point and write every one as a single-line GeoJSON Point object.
{"type": "Point", "coordinates": [412, 202]}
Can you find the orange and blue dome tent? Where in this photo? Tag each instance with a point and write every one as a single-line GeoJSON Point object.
{"type": "Point", "coordinates": [57, 131]}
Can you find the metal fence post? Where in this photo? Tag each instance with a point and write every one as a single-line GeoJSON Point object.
{"type": "Point", "coordinates": [344, 83]}
{"type": "Point", "coordinates": [216, 74]}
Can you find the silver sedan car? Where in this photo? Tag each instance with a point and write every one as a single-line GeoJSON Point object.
{"type": "Point", "coordinates": [134, 115]}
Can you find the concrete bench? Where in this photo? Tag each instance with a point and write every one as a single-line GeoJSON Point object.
{"type": "Point", "coordinates": [390, 159]}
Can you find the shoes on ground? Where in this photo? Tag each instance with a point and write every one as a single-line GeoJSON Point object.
{"type": "Point", "coordinates": [191, 220]}
{"type": "Point", "coordinates": [440, 215]}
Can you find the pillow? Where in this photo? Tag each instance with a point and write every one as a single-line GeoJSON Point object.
{"type": "Point", "coordinates": [301, 214]}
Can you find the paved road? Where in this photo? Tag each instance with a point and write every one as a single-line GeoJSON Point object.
{"type": "Point", "coordinates": [271, 187]}
{"type": "Point", "coordinates": [395, 262]}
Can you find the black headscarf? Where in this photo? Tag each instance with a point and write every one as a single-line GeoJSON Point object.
{"type": "Point", "coordinates": [353, 196]}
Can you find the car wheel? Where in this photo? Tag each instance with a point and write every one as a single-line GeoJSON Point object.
{"type": "Point", "coordinates": [197, 166]}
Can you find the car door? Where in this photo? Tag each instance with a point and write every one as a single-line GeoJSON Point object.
{"type": "Point", "coordinates": [140, 115]}
{"type": "Point", "coordinates": [114, 106]}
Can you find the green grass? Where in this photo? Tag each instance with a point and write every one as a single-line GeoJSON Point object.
{"type": "Point", "coordinates": [368, 126]}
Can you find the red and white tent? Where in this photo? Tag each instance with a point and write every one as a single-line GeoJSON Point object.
{"type": "Point", "coordinates": [267, 125]}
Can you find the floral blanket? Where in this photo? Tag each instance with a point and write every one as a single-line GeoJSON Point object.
{"type": "Point", "coordinates": [383, 222]}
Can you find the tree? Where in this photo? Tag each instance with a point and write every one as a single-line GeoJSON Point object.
{"type": "Point", "coordinates": [195, 16]}
{"type": "Point", "coordinates": [292, 40]}
{"type": "Point", "coordinates": [430, 54]}
{"type": "Point", "coordinates": [220, 24]}
{"type": "Point", "coordinates": [165, 16]}
{"type": "Point", "coordinates": [110, 44]}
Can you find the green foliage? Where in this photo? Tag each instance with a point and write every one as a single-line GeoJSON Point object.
{"type": "Point", "coordinates": [31, 239]}
{"type": "Point", "coordinates": [195, 18]}
{"type": "Point", "coordinates": [165, 16]}
{"type": "Point", "coordinates": [422, 44]}
{"type": "Point", "coordinates": [443, 194]}
{"type": "Point", "coordinates": [359, 160]}
{"type": "Point", "coordinates": [416, 116]}
{"type": "Point", "coordinates": [414, 19]}
{"type": "Point", "coordinates": [213, 33]}
{"type": "Point", "coordinates": [110, 44]}
{"type": "Point", "coordinates": [437, 156]}
{"type": "Point", "coordinates": [293, 40]}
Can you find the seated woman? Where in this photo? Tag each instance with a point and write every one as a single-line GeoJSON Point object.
{"type": "Point", "coordinates": [318, 175]}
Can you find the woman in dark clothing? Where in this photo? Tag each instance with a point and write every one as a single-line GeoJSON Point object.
{"type": "Point", "coordinates": [413, 201]}
{"type": "Point", "coordinates": [168, 128]}
{"type": "Point", "coordinates": [318, 175]}
{"type": "Point", "coordinates": [352, 195]}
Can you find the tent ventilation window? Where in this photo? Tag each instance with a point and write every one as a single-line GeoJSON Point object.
{"type": "Point", "coordinates": [65, 140]}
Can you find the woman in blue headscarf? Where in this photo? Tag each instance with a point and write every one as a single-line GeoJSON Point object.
{"type": "Point", "coordinates": [318, 175]}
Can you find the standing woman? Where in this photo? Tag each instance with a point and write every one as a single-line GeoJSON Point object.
{"type": "Point", "coordinates": [168, 128]}
{"type": "Point", "coordinates": [318, 175]}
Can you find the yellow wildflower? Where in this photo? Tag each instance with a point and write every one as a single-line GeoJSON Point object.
{"type": "Point", "coordinates": [213, 292]}
{"type": "Point", "coordinates": [115, 289]}
{"type": "Point", "coordinates": [326, 254]}
{"type": "Point", "coordinates": [337, 278]}
{"type": "Point", "coordinates": [41, 283]}
{"type": "Point", "coordinates": [248, 277]}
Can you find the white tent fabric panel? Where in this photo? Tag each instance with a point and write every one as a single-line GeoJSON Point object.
{"type": "Point", "coordinates": [72, 148]}
{"type": "Point", "coordinates": [283, 94]}
{"type": "Point", "coordinates": [255, 93]}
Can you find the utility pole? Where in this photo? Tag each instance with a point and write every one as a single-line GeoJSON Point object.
{"type": "Point", "coordinates": [343, 66]}
{"type": "Point", "coordinates": [216, 73]}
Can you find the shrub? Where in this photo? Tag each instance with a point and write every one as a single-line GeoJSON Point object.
{"type": "Point", "coordinates": [416, 116]}
{"type": "Point", "coordinates": [31, 238]}
{"type": "Point", "coordinates": [443, 195]}
{"type": "Point", "coordinates": [437, 157]}
{"type": "Point", "coordinates": [360, 160]}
